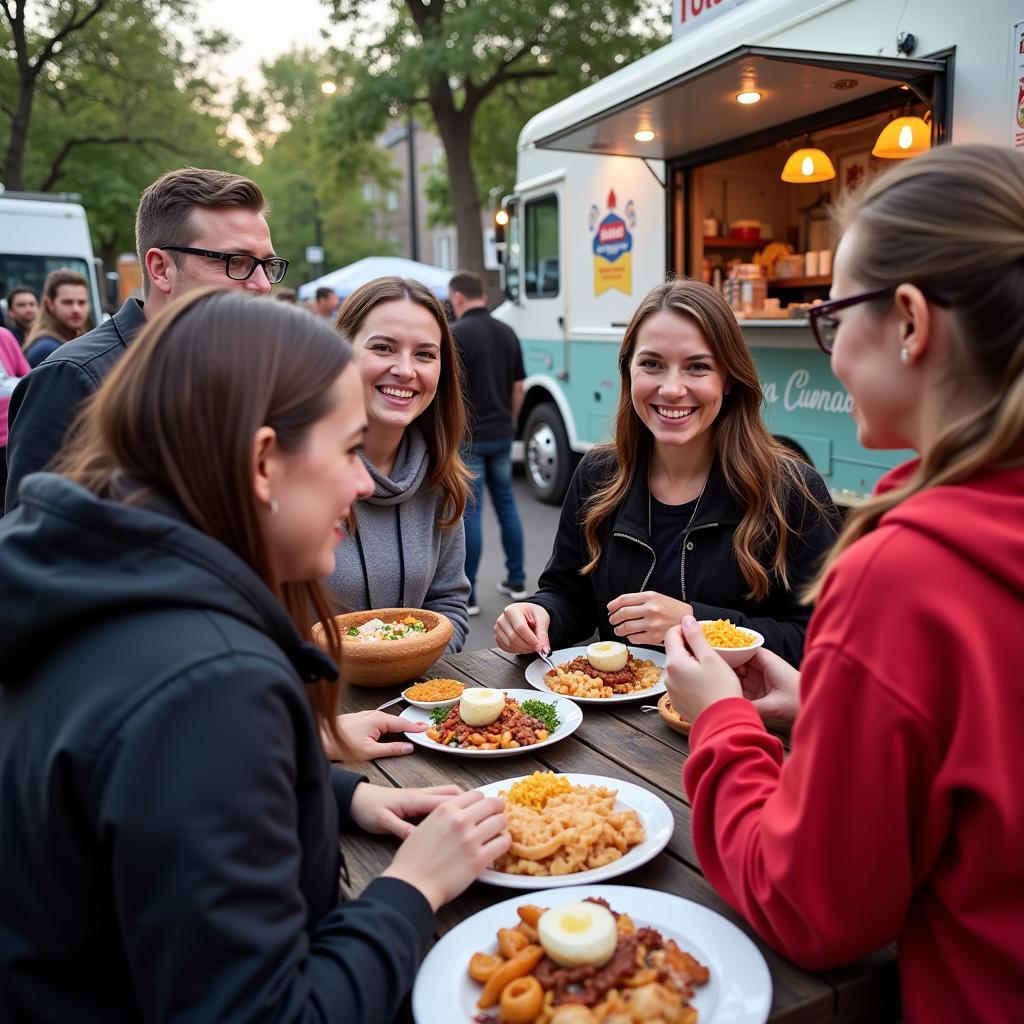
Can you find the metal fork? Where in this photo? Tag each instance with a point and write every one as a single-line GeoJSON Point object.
{"type": "Point", "coordinates": [391, 703]}
{"type": "Point", "coordinates": [547, 661]}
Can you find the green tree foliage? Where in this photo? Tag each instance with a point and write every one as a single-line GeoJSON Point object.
{"type": "Point", "coordinates": [119, 94]}
{"type": "Point", "coordinates": [481, 69]}
{"type": "Point", "coordinates": [308, 177]}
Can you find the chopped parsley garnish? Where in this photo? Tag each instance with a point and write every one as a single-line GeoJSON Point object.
{"type": "Point", "coordinates": [352, 631]}
{"type": "Point", "coordinates": [438, 715]}
{"type": "Point", "coordinates": [542, 711]}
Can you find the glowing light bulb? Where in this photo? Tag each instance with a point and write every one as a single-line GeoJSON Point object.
{"type": "Point", "coordinates": [807, 167]}
{"type": "Point", "coordinates": [644, 135]}
{"type": "Point", "coordinates": [906, 137]}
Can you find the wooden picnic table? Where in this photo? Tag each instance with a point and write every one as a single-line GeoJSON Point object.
{"type": "Point", "coordinates": [621, 742]}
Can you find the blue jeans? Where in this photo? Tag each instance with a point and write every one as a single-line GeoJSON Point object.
{"type": "Point", "coordinates": [491, 462]}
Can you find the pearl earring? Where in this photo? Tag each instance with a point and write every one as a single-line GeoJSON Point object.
{"type": "Point", "coordinates": [273, 506]}
{"type": "Point", "coordinates": [904, 355]}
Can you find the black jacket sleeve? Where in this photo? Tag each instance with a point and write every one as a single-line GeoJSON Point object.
{"type": "Point", "coordinates": [196, 799]}
{"type": "Point", "coordinates": [42, 409]}
{"type": "Point", "coordinates": [567, 596]}
{"type": "Point", "coordinates": [782, 618]}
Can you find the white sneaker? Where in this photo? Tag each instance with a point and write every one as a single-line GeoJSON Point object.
{"type": "Point", "coordinates": [473, 609]}
{"type": "Point", "coordinates": [516, 593]}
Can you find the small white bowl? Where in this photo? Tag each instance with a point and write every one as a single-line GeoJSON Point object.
{"type": "Point", "coordinates": [736, 656]}
{"type": "Point", "coordinates": [429, 705]}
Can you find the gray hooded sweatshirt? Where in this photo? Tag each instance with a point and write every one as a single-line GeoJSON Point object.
{"type": "Point", "coordinates": [399, 557]}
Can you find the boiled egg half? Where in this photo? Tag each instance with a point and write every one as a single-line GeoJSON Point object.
{"type": "Point", "coordinates": [608, 656]}
{"type": "Point", "coordinates": [480, 706]}
{"type": "Point", "coordinates": [578, 934]}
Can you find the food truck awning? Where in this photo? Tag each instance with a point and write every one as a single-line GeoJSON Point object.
{"type": "Point", "coordinates": [696, 112]}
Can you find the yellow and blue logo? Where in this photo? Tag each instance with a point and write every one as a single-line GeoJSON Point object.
{"type": "Point", "coordinates": [613, 247]}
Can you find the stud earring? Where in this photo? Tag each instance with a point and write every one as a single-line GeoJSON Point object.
{"type": "Point", "coordinates": [904, 355]}
{"type": "Point", "coordinates": [273, 506]}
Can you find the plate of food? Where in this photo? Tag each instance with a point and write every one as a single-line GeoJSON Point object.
{"type": "Point", "coordinates": [572, 829]}
{"type": "Point", "coordinates": [606, 672]}
{"type": "Point", "coordinates": [653, 957]}
{"type": "Point", "coordinates": [495, 723]}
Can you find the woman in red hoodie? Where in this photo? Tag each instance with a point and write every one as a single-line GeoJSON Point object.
{"type": "Point", "coordinates": [899, 814]}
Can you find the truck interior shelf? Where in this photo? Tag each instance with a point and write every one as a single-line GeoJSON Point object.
{"type": "Point", "coordinates": [800, 282]}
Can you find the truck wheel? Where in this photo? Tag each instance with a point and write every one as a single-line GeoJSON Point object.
{"type": "Point", "coordinates": [549, 459]}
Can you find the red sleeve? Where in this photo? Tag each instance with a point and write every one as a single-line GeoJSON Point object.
{"type": "Point", "coordinates": [817, 853]}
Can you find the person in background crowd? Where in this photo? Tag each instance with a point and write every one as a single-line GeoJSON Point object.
{"type": "Point", "coordinates": [62, 317]}
{"type": "Point", "coordinates": [899, 813]}
{"type": "Point", "coordinates": [694, 509]}
{"type": "Point", "coordinates": [13, 366]}
{"type": "Point", "coordinates": [493, 375]}
{"type": "Point", "coordinates": [326, 302]}
{"type": "Point", "coordinates": [184, 862]}
{"type": "Point", "coordinates": [193, 227]}
{"type": "Point", "coordinates": [21, 311]}
{"type": "Point", "coordinates": [406, 358]}
{"type": "Point", "coordinates": [286, 295]}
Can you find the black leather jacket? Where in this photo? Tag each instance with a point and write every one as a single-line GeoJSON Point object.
{"type": "Point", "coordinates": [710, 577]}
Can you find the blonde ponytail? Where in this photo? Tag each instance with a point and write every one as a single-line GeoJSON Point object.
{"type": "Point", "coordinates": [952, 221]}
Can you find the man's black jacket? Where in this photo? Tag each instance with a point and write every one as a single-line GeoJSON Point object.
{"type": "Point", "coordinates": [46, 400]}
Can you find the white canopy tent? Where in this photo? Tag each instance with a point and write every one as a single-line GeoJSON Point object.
{"type": "Point", "coordinates": [348, 279]}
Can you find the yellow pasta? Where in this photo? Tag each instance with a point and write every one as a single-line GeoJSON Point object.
{"type": "Point", "coordinates": [722, 633]}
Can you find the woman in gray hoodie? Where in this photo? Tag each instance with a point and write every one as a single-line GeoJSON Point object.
{"type": "Point", "coordinates": [408, 547]}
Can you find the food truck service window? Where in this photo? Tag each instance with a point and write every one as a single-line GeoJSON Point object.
{"type": "Point", "coordinates": [540, 269]}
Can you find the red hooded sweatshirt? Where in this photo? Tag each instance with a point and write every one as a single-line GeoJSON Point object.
{"type": "Point", "coordinates": [900, 812]}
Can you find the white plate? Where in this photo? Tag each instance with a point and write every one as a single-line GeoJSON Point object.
{"type": "Point", "coordinates": [536, 669]}
{"type": "Point", "coordinates": [569, 715]}
{"type": "Point", "coordinates": [652, 810]}
{"type": "Point", "coordinates": [739, 990]}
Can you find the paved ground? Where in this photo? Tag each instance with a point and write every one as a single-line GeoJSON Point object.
{"type": "Point", "coordinates": [539, 525]}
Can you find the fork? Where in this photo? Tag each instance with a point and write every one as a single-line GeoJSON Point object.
{"type": "Point", "coordinates": [547, 661]}
{"type": "Point", "coordinates": [390, 703]}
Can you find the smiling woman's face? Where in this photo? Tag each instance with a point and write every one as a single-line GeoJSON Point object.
{"type": "Point", "coordinates": [675, 381]}
{"type": "Point", "coordinates": [398, 353]}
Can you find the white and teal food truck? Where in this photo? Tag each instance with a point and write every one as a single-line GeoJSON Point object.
{"type": "Point", "coordinates": [674, 165]}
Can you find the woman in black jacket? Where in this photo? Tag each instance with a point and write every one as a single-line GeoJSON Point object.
{"type": "Point", "coordinates": [693, 510]}
{"type": "Point", "coordinates": [170, 847]}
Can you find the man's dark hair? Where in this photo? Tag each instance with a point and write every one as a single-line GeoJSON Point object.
{"type": "Point", "coordinates": [467, 284]}
{"type": "Point", "coordinates": [19, 289]}
{"type": "Point", "coordinates": [164, 214]}
{"type": "Point", "coordinates": [324, 293]}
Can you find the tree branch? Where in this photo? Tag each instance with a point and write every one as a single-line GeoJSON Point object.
{"type": "Point", "coordinates": [56, 168]}
{"type": "Point", "coordinates": [476, 94]}
{"type": "Point", "coordinates": [71, 26]}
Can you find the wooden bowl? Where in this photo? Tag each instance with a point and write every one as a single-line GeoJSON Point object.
{"type": "Point", "coordinates": [388, 662]}
{"type": "Point", "coordinates": [671, 717]}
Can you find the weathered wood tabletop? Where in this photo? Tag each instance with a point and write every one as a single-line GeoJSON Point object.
{"type": "Point", "coordinates": [624, 743]}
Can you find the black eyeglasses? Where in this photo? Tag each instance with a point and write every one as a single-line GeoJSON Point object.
{"type": "Point", "coordinates": [239, 266]}
{"type": "Point", "coordinates": [825, 326]}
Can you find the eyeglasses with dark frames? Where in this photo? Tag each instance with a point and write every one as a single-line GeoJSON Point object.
{"type": "Point", "coordinates": [825, 326]}
{"type": "Point", "coordinates": [239, 266]}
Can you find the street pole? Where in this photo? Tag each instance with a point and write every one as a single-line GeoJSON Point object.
{"type": "Point", "coordinates": [414, 228]}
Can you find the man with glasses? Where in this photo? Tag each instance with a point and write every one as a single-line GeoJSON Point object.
{"type": "Point", "coordinates": [193, 228]}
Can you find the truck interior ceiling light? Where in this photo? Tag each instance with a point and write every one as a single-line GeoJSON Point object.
{"type": "Point", "coordinates": [806, 165]}
{"type": "Point", "coordinates": [644, 135]}
{"type": "Point", "coordinates": [903, 137]}
{"type": "Point", "coordinates": [749, 96]}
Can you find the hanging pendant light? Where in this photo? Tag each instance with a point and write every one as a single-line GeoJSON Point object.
{"type": "Point", "coordinates": [903, 137]}
{"type": "Point", "coordinates": [807, 165]}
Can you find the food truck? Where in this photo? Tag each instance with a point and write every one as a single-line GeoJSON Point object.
{"type": "Point", "coordinates": [720, 156]}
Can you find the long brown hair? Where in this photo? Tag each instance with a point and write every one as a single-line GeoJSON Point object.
{"type": "Point", "coordinates": [952, 221]}
{"type": "Point", "coordinates": [443, 422]}
{"type": "Point", "coordinates": [178, 414]}
{"type": "Point", "coordinates": [46, 324]}
{"type": "Point", "coordinates": [760, 473]}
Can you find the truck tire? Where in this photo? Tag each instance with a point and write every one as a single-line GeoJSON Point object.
{"type": "Point", "coordinates": [548, 458]}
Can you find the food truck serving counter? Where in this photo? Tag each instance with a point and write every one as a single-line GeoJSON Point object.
{"type": "Point", "coordinates": [721, 156]}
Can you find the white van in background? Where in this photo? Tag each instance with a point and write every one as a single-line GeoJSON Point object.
{"type": "Point", "coordinates": [41, 232]}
